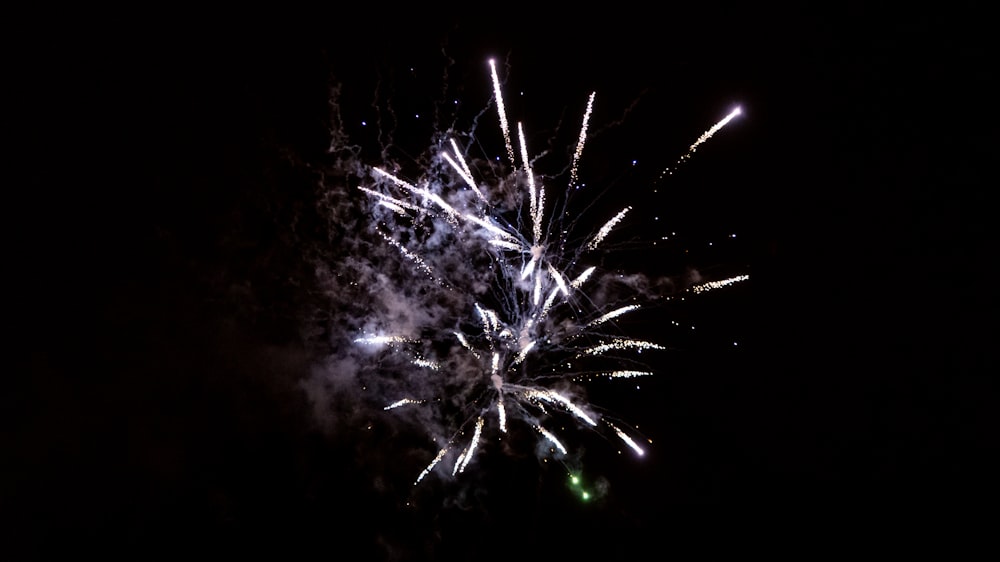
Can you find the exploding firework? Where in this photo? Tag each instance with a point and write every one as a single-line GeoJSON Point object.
{"type": "Point", "coordinates": [478, 285]}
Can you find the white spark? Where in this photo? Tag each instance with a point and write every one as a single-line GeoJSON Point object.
{"type": "Point", "coordinates": [420, 191]}
{"type": "Point", "coordinates": [425, 363]}
{"type": "Point", "coordinates": [583, 138]}
{"type": "Point", "coordinates": [555, 397]}
{"type": "Point", "coordinates": [529, 268]}
{"type": "Point", "coordinates": [620, 343]}
{"type": "Point", "coordinates": [708, 134]}
{"type": "Point", "coordinates": [411, 256]}
{"type": "Point", "coordinates": [538, 289]}
{"type": "Point", "coordinates": [491, 322]}
{"type": "Point", "coordinates": [384, 199]}
{"type": "Point", "coordinates": [465, 176]}
{"type": "Point", "coordinates": [625, 374]}
{"type": "Point", "coordinates": [703, 138]}
{"type": "Point", "coordinates": [465, 344]}
{"type": "Point", "coordinates": [559, 280]}
{"type": "Point", "coordinates": [536, 197]}
{"type": "Point", "coordinates": [549, 301]}
{"type": "Point", "coordinates": [505, 244]}
{"type": "Point", "coordinates": [524, 352]}
{"type": "Point", "coordinates": [402, 402]}
{"type": "Point", "coordinates": [583, 277]}
{"type": "Point", "coordinates": [502, 413]}
{"type": "Point", "coordinates": [485, 223]}
{"type": "Point", "coordinates": [613, 314]}
{"type": "Point", "coordinates": [381, 340]}
{"type": "Point", "coordinates": [472, 445]}
{"type": "Point", "coordinates": [552, 439]}
{"type": "Point", "coordinates": [606, 229]}
{"type": "Point", "coordinates": [712, 285]}
{"type": "Point", "coordinates": [393, 206]}
{"type": "Point", "coordinates": [501, 111]}
{"type": "Point", "coordinates": [628, 440]}
{"type": "Point", "coordinates": [464, 171]}
{"type": "Point", "coordinates": [430, 467]}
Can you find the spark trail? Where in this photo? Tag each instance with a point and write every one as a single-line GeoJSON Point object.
{"type": "Point", "coordinates": [505, 327]}
{"type": "Point", "coordinates": [702, 139]}
{"type": "Point", "coordinates": [712, 285]}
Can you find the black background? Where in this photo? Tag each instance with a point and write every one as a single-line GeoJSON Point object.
{"type": "Point", "coordinates": [155, 286]}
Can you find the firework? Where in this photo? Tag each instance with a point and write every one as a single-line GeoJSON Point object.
{"type": "Point", "coordinates": [485, 318]}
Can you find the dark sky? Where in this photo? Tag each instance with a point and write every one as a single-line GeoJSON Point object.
{"type": "Point", "coordinates": [157, 280]}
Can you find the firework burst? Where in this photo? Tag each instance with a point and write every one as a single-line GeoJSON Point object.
{"type": "Point", "coordinates": [485, 318]}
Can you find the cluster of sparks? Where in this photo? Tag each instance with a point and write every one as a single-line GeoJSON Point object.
{"type": "Point", "coordinates": [712, 285]}
{"type": "Point", "coordinates": [519, 344]}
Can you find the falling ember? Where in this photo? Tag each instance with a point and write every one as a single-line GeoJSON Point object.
{"type": "Point", "coordinates": [715, 129]}
{"type": "Point", "coordinates": [426, 364]}
{"type": "Point", "coordinates": [614, 314]}
{"type": "Point", "coordinates": [712, 285]}
{"type": "Point", "coordinates": [624, 374]}
{"type": "Point", "coordinates": [402, 402]}
{"type": "Point", "coordinates": [430, 467]}
{"type": "Point", "coordinates": [501, 414]}
{"type": "Point", "coordinates": [411, 256]}
{"type": "Point", "coordinates": [620, 344]}
{"type": "Point", "coordinates": [463, 460]}
{"type": "Point", "coordinates": [536, 197]}
{"type": "Point", "coordinates": [466, 345]}
{"type": "Point", "coordinates": [498, 94]}
{"type": "Point", "coordinates": [381, 340]}
{"type": "Point", "coordinates": [628, 440]}
{"type": "Point", "coordinates": [554, 397]}
{"type": "Point", "coordinates": [704, 137]}
{"type": "Point", "coordinates": [606, 229]}
{"type": "Point", "coordinates": [386, 200]}
{"type": "Point", "coordinates": [552, 439]}
{"type": "Point", "coordinates": [524, 352]}
{"type": "Point", "coordinates": [583, 277]}
{"type": "Point", "coordinates": [583, 138]}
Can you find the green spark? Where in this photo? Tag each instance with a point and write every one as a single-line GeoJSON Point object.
{"type": "Point", "coordinates": [577, 484]}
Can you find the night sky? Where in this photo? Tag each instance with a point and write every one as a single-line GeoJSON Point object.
{"type": "Point", "coordinates": [163, 215]}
